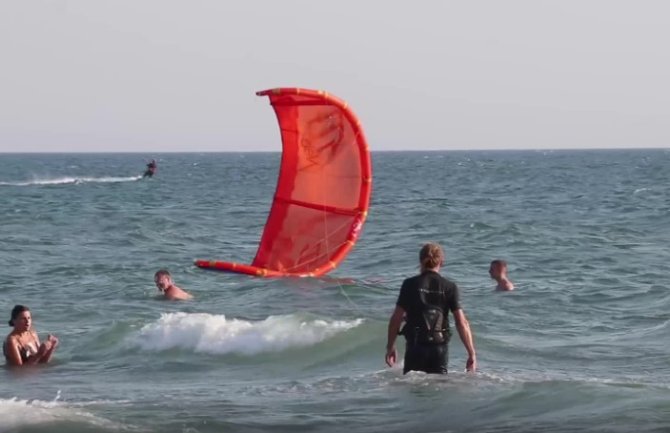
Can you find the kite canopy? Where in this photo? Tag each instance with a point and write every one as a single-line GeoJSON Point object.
{"type": "Point", "coordinates": [323, 190]}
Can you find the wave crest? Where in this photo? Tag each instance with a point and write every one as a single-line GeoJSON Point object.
{"type": "Point", "coordinates": [16, 413]}
{"type": "Point", "coordinates": [214, 334]}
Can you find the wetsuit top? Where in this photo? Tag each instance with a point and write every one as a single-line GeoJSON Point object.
{"type": "Point", "coordinates": [436, 289]}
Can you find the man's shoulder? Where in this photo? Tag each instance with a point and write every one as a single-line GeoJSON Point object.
{"type": "Point", "coordinates": [444, 281]}
{"type": "Point", "coordinates": [448, 283]}
{"type": "Point", "coordinates": [412, 281]}
{"type": "Point", "coordinates": [420, 278]}
{"type": "Point", "coordinates": [171, 293]}
{"type": "Point", "coordinates": [177, 293]}
{"type": "Point", "coordinates": [505, 287]}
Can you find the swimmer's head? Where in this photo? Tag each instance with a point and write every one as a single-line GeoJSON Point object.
{"type": "Point", "coordinates": [497, 269]}
{"type": "Point", "coordinates": [163, 279]}
{"type": "Point", "coordinates": [20, 316]}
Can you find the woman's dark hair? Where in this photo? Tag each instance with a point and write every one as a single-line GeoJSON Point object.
{"type": "Point", "coordinates": [18, 309]}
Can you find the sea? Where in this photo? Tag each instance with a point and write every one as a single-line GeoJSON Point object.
{"type": "Point", "coordinates": [581, 344]}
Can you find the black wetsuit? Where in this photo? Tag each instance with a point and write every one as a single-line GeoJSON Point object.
{"type": "Point", "coordinates": [151, 169]}
{"type": "Point", "coordinates": [420, 297]}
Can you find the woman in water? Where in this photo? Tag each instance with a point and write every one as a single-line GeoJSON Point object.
{"type": "Point", "coordinates": [22, 345]}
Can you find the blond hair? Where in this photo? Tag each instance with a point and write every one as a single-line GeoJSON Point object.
{"type": "Point", "coordinates": [431, 256]}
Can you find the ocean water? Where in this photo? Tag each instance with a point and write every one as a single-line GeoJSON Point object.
{"type": "Point", "coordinates": [581, 345]}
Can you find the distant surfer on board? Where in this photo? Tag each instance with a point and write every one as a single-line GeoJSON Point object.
{"type": "Point", "coordinates": [424, 303]}
{"type": "Point", "coordinates": [151, 169]}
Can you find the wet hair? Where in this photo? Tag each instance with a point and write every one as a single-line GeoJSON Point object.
{"type": "Point", "coordinates": [161, 272]}
{"type": "Point", "coordinates": [501, 263]}
{"type": "Point", "coordinates": [431, 256]}
{"type": "Point", "coordinates": [18, 309]}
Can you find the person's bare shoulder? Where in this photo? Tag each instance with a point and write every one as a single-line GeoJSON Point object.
{"type": "Point", "coordinates": [505, 287]}
{"type": "Point", "coordinates": [177, 294]}
{"type": "Point", "coordinates": [185, 295]}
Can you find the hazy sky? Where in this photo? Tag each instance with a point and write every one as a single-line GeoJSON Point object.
{"type": "Point", "coordinates": [164, 75]}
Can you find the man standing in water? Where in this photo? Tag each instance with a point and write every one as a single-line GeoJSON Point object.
{"type": "Point", "coordinates": [424, 302]}
{"type": "Point", "coordinates": [164, 282]}
{"type": "Point", "coordinates": [498, 272]}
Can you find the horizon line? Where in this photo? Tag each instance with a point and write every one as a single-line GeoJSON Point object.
{"type": "Point", "coordinates": [371, 151]}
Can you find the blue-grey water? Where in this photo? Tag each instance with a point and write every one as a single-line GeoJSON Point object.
{"type": "Point", "coordinates": [581, 345]}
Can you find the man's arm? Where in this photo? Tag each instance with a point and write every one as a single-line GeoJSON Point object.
{"type": "Point", "coordinates": [463, 327]}
{"type": "Point", "coordinates": [394, 327]}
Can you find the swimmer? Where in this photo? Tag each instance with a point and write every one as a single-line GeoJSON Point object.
{"type": "Point", "coordinates": [22, 345]}
{"type": "Point", "coordinates": [166, 285]}
{"type": "Point", "coordinates": [498, 272]}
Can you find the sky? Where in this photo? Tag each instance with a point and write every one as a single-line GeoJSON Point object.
{"type": "Point", "coordinates": [181, 76]}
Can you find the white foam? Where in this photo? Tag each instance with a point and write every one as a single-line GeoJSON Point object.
{"type": "Point", "coordinates": [15, 413]}
{"type": "Point", "coordinates": [214, 334]}
{"type": "Point", "coordinates": [72, 180]}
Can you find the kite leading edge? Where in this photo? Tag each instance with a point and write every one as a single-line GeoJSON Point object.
{"type": "Point", "coordinates": [323, 191]}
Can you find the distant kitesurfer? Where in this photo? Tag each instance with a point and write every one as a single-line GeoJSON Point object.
{"type": "Point", "coordinates": [151, 169]}
{"type": "Point", "coordinates": [22, 345]}
{"type": "Point", "coordinates": [498, 272]}
{"type": "Point", "coordinates": [424, 303]}
{"type": "Point", "coordinates": [166, 285]}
